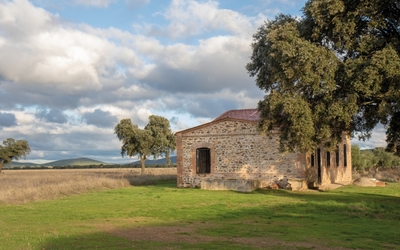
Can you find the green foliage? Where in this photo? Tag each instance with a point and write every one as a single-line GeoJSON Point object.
{"type": "Point", "coordinates": [164, 139]}
{"type": "Point", "coordinates": [155, 139]}
{"type": "Point", "coordinates": [368, 159]}
{"type": "Point", "coordinates": [336, 70]}
{"type": "Point", "coordinates": [385, 159]}
{"type": "Point", "coordinates": [13, 150]}
{"type": "Point", "coordinates": [356, 159]}
{"type": "Point", "coordinates": [362, 159]}
{"type": "Point", "coordinates": [376, 158]}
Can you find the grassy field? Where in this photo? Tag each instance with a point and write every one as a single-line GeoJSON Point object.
{"type": "Point", "coordinates": [161, 216]}
{"type": "Point", "coordinates": [23, 186]}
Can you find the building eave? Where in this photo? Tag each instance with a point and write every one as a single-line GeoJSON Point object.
{"type": "Point", "coordinates": [213, 122]}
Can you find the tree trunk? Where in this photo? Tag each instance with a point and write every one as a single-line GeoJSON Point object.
{"type": "Point", "coordinates": [168, 158]}
{"type": "Point", "coordinates": [1, 166]}
{"type": "Point", "coordinates": [143, 160]}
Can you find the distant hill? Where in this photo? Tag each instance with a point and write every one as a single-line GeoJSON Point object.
{"type": "Point", "coordinates": [68, 162]}
{"type": "Point", "coordinates": [83, 162]}
{"type": "Point", "coordinates": [20, 164]}
{"type": "Point", "coordinates": [74, 162]}
{"type": "Point", "coordinates": [157, 162]}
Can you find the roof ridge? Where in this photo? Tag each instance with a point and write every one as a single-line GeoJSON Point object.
{"type": "Point", "coordinates": [242, 114]}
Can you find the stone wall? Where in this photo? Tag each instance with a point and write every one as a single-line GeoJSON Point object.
{"type": "Point", "coordinates": [334, 171]}
{"type": "Point", "coordinates": [238, 151]}
{"type": "Point", "coordinates": [234, 185]}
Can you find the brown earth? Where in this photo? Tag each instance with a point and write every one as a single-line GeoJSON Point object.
{"type": "Point", "coordinates": [188, 234]}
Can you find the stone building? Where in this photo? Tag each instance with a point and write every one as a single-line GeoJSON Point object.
{"type": "Point", "coordinates": [230, 153]}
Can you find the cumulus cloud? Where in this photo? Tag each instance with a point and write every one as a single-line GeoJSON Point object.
{"type": "Point", "coordinates": [67, 66]}
{"type": "Point", "coordinates": [377, 139]}
{"type": "Point", "coordinates": [7, 120]}
{"type": "Point", "coordinates": [75, 144]}
{"type": "Point", "coordinates": [136, 92]}
{"type": "Point", "coordinates": [100, 118]}
{"type": "Point", "coordinates": [190, 18]}
{"type": "Point", "coordinates": [38, 49]}
{"type": "Point", "coordinates": [51, 115]}
{"type": "Point", "coordinates": [206, 68]}
{"type": "Point", "coordinates": [208, 105]}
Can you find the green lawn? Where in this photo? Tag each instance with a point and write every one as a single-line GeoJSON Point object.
{"type": "Point", "coordinates": [165, 217]}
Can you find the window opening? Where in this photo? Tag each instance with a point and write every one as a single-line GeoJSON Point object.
{"type": "Point", "coordinates": [319, 166]}
{"type": "Point", "coordinates": [337, 156]}
{"type": "Point", "coordinates": [312, 160]}
{"type": "Point", "coordinates": [203, 161]}
{"type": "Point", "coordinates": [345, 155]}
{"type": "Point", "coordinates": [328, 159]}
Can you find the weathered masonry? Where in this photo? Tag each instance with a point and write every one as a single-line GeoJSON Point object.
{"type": "Point", "coordinates": [230, 153]}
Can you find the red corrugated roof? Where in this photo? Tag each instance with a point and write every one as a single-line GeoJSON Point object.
{"type": "Point", "coordinates": [242, 114]}
{"type": "Point", "coordinates": [239, 114]}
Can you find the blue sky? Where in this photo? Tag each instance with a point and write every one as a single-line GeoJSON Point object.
{"type": "Point", "coordinates": [71, 69]}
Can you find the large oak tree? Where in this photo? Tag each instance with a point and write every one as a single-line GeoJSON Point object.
{"type": "Point", "coordinates": [155, 139]}
{"type": "Point", "coordinates": [335, 70]}
{"type": "Point", "coordinates": [13, 150]}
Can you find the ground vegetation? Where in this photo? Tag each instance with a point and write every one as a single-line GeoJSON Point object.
{"type": "Point", "coordinates": [25, 186]}
{"type": "Point", "coordinates": [162, 216]}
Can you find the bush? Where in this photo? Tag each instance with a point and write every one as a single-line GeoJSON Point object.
{"type": "Point", "coordinates": [377, 158]}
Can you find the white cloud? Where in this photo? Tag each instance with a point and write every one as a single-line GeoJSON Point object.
{"type": "Point", "coordinates": [191, 18]}
{"type": "Point", "coordinates": [216, 63]}
{"type": "Point", "coordinates": [51, 54]}
{"type": "Point", "coordinates": [20, 18]}
{"type": "Point", "coordinates": [135, 92]}
{"type": "Point", "coordinates": [378, 138]}
{"type": "Point", "coordinates": [95, 3]}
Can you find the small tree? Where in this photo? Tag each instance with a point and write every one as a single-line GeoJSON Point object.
{"type": "Point", "coordinates": [356, 160]}
{"type": "Point", "coordinates": [373, 159]}
{"type": "Point", "coordinates": [362, 159]}
{"type": "Point", "coordinates": [368, 160]}
{"type": "Point", "coordinates": [164, 139]}
{"type": "Point", "coordinates": [13, 150]}
{"type": "Point", "coordinates": [384, 159]}
{"type": "Point", "coordinates": [155, 139]}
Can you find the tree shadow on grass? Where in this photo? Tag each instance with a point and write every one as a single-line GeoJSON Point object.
{"type": "Point", "coordinates": [358, 219]}
{"type": "Point", "coordinates": [106, 240]}
{"type": "Point", "coordinates": [355, 219]}
{"type": "Point", "coordinates": [345, 204]}
{"type": "Point", "coordinates": [99, 240]}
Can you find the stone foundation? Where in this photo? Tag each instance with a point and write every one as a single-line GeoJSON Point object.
{"type": "Point", "coordinates": [235, 185]}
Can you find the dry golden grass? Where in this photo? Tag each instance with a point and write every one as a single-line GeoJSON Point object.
{"type": "Point", "coordinates": [23, 186]}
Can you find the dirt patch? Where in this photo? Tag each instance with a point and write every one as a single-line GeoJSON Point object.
{"type": "Point", "coordinates": [187, 233]}
{"type": "Point", "coordinates": [369, 182]}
